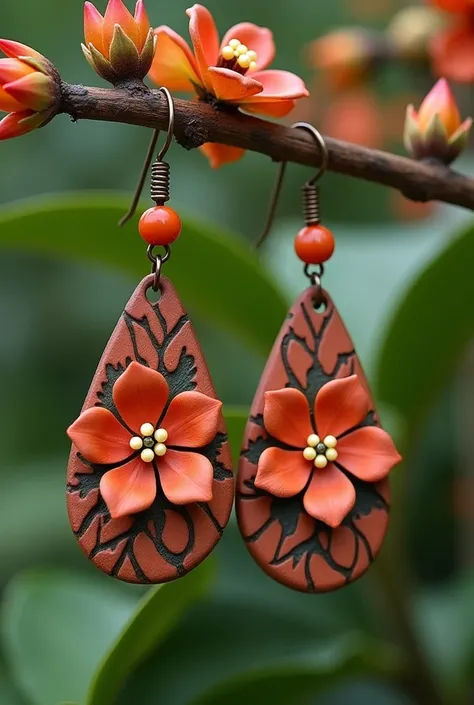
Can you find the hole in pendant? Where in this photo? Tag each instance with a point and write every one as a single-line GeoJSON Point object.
{"type": "Point", "coordinates": [319, 302]}
{"type": "Point", "coordinates": [153, 296]}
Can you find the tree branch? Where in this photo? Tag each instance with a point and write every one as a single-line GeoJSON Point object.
{"type": "Point", "coordinates": [198, 122]}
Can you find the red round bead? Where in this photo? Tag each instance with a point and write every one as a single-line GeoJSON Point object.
{"type": "Point", "coordinates": [159, 225]}
{"type": "Point", "coordinates": [314, 244]}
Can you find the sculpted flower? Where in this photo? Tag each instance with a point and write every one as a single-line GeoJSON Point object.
{"type": "Point", "coordinates": [321, 453]}
{"type": "Point", "coordinates": [29, 89]}
{"type": "Point", "coordinates": [119, 46]}
{"type": "Point", "coordinates": [436, 130]}
{"type": "Point", "coordinates": [452, 48]}
{"type": "Point", "coordinates": [150, 435]}
{"type": "Point", "coordinates": [233, 71]}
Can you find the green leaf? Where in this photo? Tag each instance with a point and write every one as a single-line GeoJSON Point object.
{"type": "Point", "coordinates": [236, 420]}
{"type": "Point", "coordinates": [154, 619]}
{"type": "Point", "coordinates": [216, 273]}
{"type": "Point", "coordinates": [293, 682]}
{"type": "Point", "coordinates": [445, 620]}
{"type": "Point", "coordinates": [56, 627]}
{"type": "Point", "coordinates": [9, 694]}
{"type": "Point", "coordinates": [429, 332]}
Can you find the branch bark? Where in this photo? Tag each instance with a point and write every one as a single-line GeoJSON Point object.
{"type": "Point", "coordinates": [197, 122]}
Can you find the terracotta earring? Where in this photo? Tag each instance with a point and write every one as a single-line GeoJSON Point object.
{"type": "Point", "coordinates": [150, 485]}
{"type": "Point", "coordinates": [312, 491]}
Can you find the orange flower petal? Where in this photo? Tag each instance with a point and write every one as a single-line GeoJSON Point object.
{"type": "Point", "coordinates": [330, 496]}
{"type": "Point", "coordinates": [142, 22]}
{"type": "Point", "coordinates": [220, 154]}
{"type": "Point", "coordinates": [129, 489]}
{"type": "Point", "coordinates": [15, 50]}
{"type": "Point", "coordinates": [17, 124]}
{"type": "Point", "coordinates": [140, 395]}
{"type": "Point", "coordinates": [192, 419]}
{"type": "Point", "coordinates": [340, 405]}
{"type": "Point", "coordinates": [278, 85]}
{"type": "Point", "coordinates": [186, 477]}
{"type": "Point", "coordinates": [368, 453]}
{"type": "Point", "coordinates": [117, 13]}
{"type": "Point", "coordinates": [34, 91]}
{"type": "Point", "coordinates": [9, 104]}
{"type": "Point", "coordinates": [452, 54]}
{"type": "Point", "coordinates": [286, 416]}
{"type": "Point", "coordinates": [174, 65]}
{"type": "Point", "coordinates": [278, 109]}
{"type": "Point", "coordinates": [259, 39]}
{"type": "Point", "coordinates": [12, 69]}
{"type": "Point", "coordinates": [93, 23]}
{"type": "Point", "coordinates": [452, 5]}
{"type": "Point", "coordinates": [283, 473]}
{"type": "Point", "coordinates": [205, 39]}
{"type": "Point", "coordinates": [228, 85]}
{"type": "Point", "coordinates": [99, 437]}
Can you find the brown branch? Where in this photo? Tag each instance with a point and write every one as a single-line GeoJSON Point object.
{"type": "Point", "coordinates": [198, 122]}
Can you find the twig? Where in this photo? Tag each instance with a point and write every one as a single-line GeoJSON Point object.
{"type": "Point", "coordinates": [198, 122]}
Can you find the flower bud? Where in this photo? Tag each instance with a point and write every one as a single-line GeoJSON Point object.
{"type": "Point", "coordinates": [436, 130]}
{"type": "Point", "coordinates": [119, 47]}
{"type": "Point", "coordinates": [346, 56]}
{"type": "Point", "coordinates": [29, 89]}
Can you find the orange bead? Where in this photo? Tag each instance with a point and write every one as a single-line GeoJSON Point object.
{"type": "Point", "coordinates": [159, 225]}
{"type": "Point", "coordinates": [314, 244]}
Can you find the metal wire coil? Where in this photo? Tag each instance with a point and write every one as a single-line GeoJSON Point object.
{"type": "Point", "coordinates": [311, 204]}
{"type": "Point", "coordinates": [160, 182]}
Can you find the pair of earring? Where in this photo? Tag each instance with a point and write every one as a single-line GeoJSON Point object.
{"type": "Point", "coordinates": [150, 482]}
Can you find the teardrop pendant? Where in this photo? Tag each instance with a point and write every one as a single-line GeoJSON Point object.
{"type": "Point", "coordinates": [150, 485]}
{"type": "Point", "coordinates": [312, 499]}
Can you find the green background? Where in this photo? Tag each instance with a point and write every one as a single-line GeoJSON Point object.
{"type": "Point", "coordinates": [226, 634]}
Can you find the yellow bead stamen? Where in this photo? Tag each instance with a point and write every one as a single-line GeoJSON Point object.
{"type": "Point", "coordinates": [320, 461]}
{"type": "Point", "coordinates": [161, 435]}
{"type": "Point", "coordinates": [309, 453]}
{"type": "Point", "coordinates": [147, 455]}
{"type": "Point", "coordinates": [150, 449]}
{"type": "Point", "coordinates": [313, 440]}
{"type": "Point", "coordinates": [320, 452]}
{"type": "Point", "coordinates": [136, 443]}
{"type": "Point", "coordinates": [234, 54]}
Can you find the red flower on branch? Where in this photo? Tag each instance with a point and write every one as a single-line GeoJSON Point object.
{"type": "Point", "coordinates": [320, 457]}
{"type": "Point", "coordinates": [233, 71]}
{"type": "Point", "coordinates": [452, 49]}
{"type": "Point", "coordinates": [150, 434]}
{"type": "Point", "coordinates": [29, 89]}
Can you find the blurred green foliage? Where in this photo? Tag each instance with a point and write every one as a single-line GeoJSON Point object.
{"type": "Point", "coordinates": [225, 634]}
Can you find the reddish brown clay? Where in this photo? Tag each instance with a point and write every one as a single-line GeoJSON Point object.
{"type": "Point", "coordinates": [299, 551]}
{"type": "Point", "coordinates": [165, 541]}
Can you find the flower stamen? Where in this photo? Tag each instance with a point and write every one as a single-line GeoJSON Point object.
{"type": "Point", "coordinates": [320, 452]}
{"type": "Point", "coordinates": [237, 57]}
{"type": "Point", "coordinates": [151, 441]}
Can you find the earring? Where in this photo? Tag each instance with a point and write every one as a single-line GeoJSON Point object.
{"type": "Point", "coordinates": [312, 490]}
{"type": "Point", "coordinates": [150, 484]}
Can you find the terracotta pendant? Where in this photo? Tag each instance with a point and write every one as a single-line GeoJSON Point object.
{"type": "Point", "coordinates": [150, 486]}
{"type": "Point", "coordinates": [313, 498]}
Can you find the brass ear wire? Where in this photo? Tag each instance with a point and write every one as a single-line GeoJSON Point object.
{"type": "Point", "coordinates": [311, 200]}
{"type": "Point", "coordinates": [160, 192]}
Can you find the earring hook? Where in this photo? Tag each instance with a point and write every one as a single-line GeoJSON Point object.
{"type": "Point", "coordinates": [149, 155]}
{"type": "Point", "coordinates": [308, 186]}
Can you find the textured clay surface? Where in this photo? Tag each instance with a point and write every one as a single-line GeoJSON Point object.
{"type": "Point", "coordinates": [291, 546]}
{"type": "Point", "coordinates": [167, 540]}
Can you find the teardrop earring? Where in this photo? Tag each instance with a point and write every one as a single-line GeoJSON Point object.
{"type": "Point", "coordinates": [150, 484]}
{"type": "Point", "coordinates": [312, 490]}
